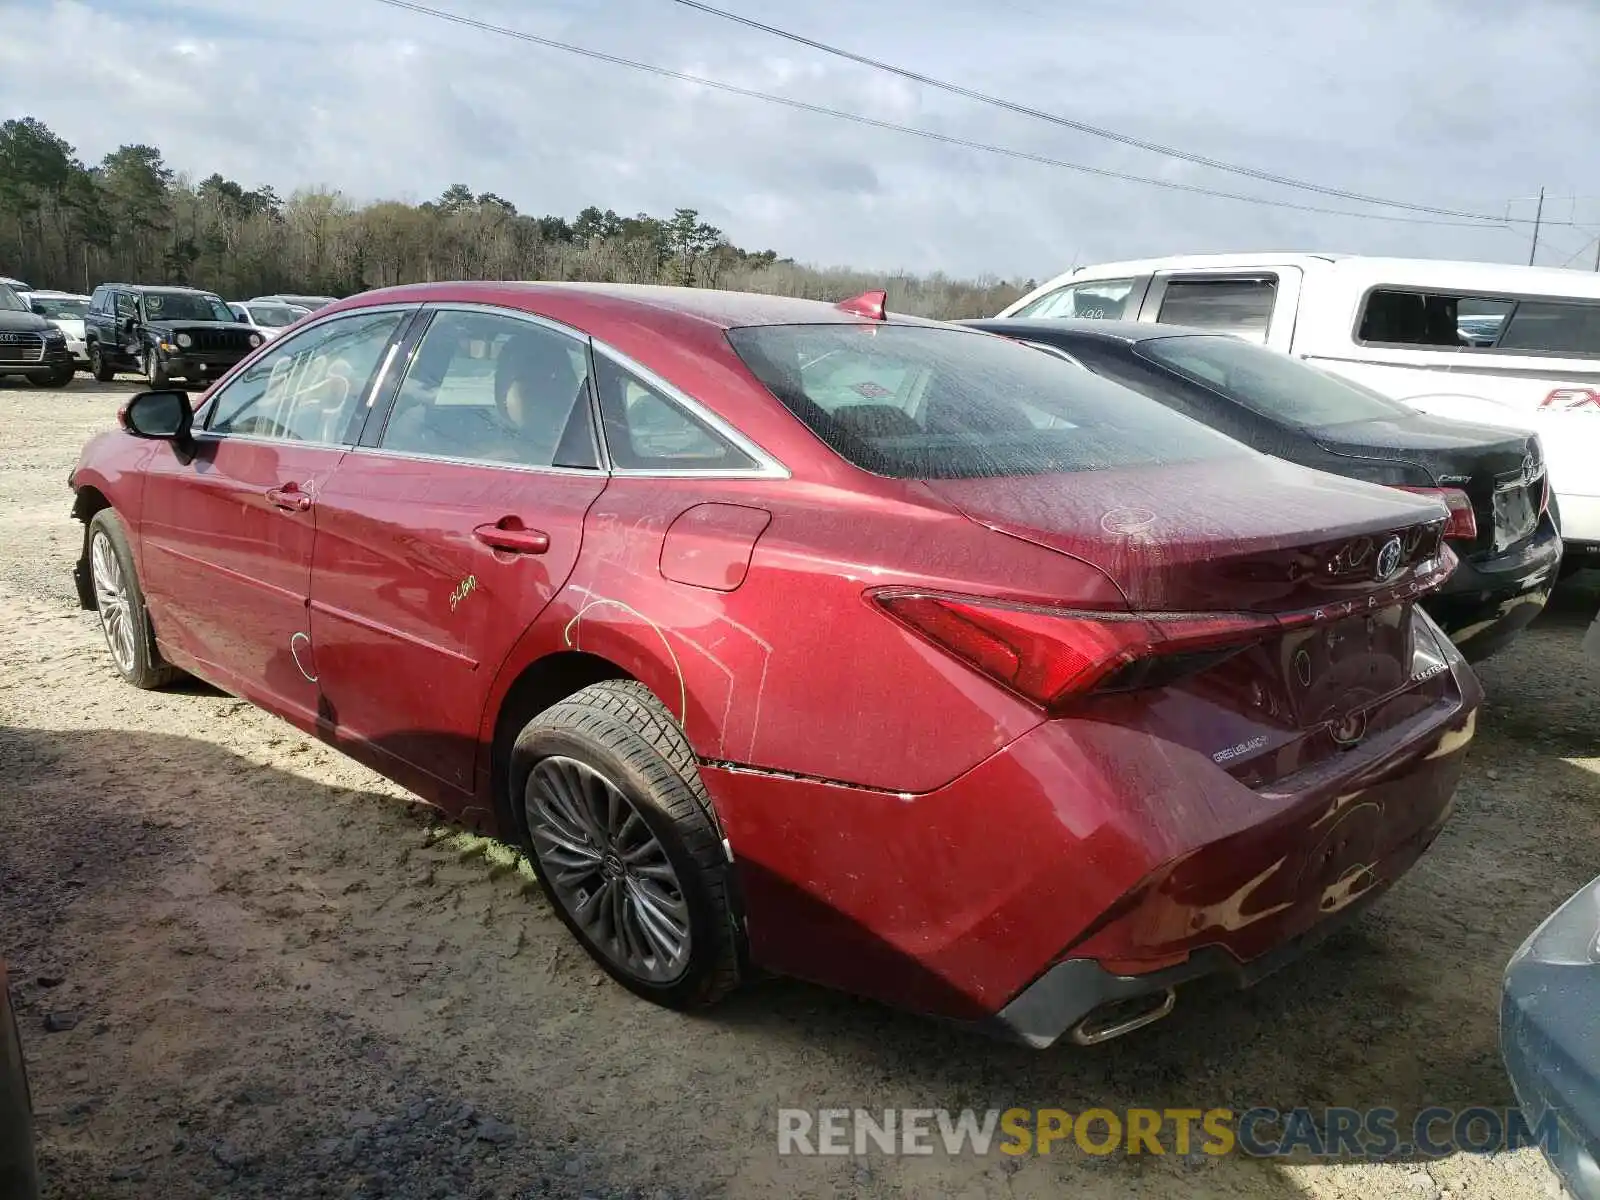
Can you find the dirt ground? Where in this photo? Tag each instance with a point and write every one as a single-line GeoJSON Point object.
{"type": "Point", "coordinates": [247, 967]}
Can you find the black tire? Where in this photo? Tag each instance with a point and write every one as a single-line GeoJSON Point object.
{"type": "Point", "coordinates": [98, 366]}
{"type": "Point", "coordinates": [155, 370]}
{"type": "Point", "coordinates": [621, 733]}
{"type": "Point", "coordinates": [19, 1175]}
{"type": "Point", "coordinates": [139, 662]}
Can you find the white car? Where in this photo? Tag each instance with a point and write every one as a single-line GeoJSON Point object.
{"type": "Point", "coordinates": [1513, 346]}
{"type": "Point", "coordinates": [65, 311]}
{"type": "Point", "coordinates": [309, 303]}
{"type": "Point", "coordinates": [266, 317]}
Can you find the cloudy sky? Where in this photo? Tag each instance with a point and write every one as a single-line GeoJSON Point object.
{"type": "Point", "coordinates": [1460, 104]}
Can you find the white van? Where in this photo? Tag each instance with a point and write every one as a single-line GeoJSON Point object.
{"type": "Point", "coordinates": [1507, 345]}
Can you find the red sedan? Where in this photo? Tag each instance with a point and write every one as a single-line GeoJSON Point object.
{"type": "Point", "coordinates": [885, 653]}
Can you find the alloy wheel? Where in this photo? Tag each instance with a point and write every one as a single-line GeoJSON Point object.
{"type": "Point", "coordinates": [111, 597]}
{"type": "Point", "coordinates": [608, 869]}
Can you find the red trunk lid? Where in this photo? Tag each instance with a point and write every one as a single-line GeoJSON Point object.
{"type": "Point", "coordinates": [1243, 535]}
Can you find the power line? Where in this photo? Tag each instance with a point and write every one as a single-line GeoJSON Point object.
{"type": "Point", "coordinates": [931, 135]}
{"type": "Point", "coordinates": [1079, 126]}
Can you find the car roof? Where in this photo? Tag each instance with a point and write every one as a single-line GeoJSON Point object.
{"type": "Point", "coordinates": [51, 294]}
{"type": "Point", "coordinates": [1456, 274]}
{"type": "Point", "coordinates": [700, 306]}
{"type": "Point", "coordinates": [158, 287]}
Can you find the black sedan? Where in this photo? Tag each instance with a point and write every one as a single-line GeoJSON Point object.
{"type": "Point", "coordinates": [1491, 479]}
{"type": "Point", "coordinates": [1550, 1037]}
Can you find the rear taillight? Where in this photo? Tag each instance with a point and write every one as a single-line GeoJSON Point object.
{"type": "Point", "coordinates": [1572, 397]}
{"type": "Point", "coordinates": [1463, 522]}
{"type": "Point", "coordinates": [1049, 656]}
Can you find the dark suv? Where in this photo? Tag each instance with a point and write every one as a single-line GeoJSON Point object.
{"type": "Point", "coordinates": [30, 346]}
{"type": "Point", "coordinates": [164, 333]}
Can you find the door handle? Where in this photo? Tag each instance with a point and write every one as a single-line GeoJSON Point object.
{"type": "Point", "coordinates": [289, 497]}
{"type": "Point", "coordinates": [513, 537]}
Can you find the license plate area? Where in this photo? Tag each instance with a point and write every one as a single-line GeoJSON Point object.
{"type": "Point", "coordinates": [1515, 515]}
{"type": "Point", "coordinates": [1333, 670]}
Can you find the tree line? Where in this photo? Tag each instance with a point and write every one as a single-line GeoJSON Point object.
{"type": "Point", "coordinates": [132, 218]}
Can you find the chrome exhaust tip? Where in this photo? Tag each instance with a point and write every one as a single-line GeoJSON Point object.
{"type": "Point", "coordinates": [1117, 1017]}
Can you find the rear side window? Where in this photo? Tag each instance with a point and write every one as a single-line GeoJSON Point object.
{"type": "Point", "coordinates": [916, 402]}
{"type": "Point", "coordinates": [1105, 300]}
{"type": "Point", "coordinates": [1505, 324]}
{"type": "Point", "coordinates": [1273, 385]}
{"type": "Point", "coordinates": [647, 431]}
{"type": "Point", "coordinates": [1242, 307]}
{"type": "Point", "coordinates": [1553, 327]}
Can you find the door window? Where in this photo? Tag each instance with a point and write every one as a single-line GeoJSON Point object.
{"type": "Point", "coordinates": [647, 431]}
{"type": "Point", "coordinates": [1105, 300]}
{"type": "Point", "coordinates": [1242, 307]}
{"type": "Point", "coordinates": [496, 389]}
{"type": "Point", "coordinates": [309, 388]}
{"type": "Point", "coordinates": [127, 305]}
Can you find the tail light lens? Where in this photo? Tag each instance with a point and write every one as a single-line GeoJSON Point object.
{"type": "Point", "coordinates": [1463, 522]}
{"type": "Point", "coordinates": [1049, 656]}
{"type": "Point", "coordinates": [1572, 397]}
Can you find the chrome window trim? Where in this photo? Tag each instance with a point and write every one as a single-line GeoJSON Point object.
{"type": "Point", "coordinates": [767, 467]}
{"type": "Point", "coordinates": [450, 460]}
{"type": "Point", "coordinates": [269, 345]}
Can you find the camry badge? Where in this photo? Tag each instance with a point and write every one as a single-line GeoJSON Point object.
{"type": "Point", "coordinates": [1388, 559]}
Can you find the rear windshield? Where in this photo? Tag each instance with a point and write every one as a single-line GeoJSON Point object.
{"type": "Point", "coordinates": [923, 402]}
{"type": "Point", "coordinates": [1274, 385]}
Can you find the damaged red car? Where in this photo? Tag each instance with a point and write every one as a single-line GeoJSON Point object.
{"type": "Point", "coordinates": [880, 652]}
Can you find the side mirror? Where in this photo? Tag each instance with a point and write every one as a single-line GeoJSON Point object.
{"type": "Point", "coordinates": [160, 416]}
{"type": "Point", "coordinates": [129, 324]}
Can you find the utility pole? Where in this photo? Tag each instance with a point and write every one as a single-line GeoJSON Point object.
{"type": "Point", "coordinates": [1538, 216]}
{"type": "Point", "coordinates": [1597, 254]}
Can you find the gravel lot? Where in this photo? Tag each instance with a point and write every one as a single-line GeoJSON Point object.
{"type": "Point", "coordinates": [249, 968]}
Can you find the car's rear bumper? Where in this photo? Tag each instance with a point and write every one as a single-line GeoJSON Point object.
{"type": "Point", "coordinates": [1487, 602]}
{"type": "Point", "coordinates": [1081, 842]}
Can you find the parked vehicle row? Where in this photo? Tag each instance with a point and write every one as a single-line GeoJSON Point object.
{"type": "Point", "coordinates": [1505, 345]}
{"type": "Point", "coordinates": [164, 333]}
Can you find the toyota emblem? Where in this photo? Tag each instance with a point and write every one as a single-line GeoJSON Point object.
{"type": "Point", "coordinates": [1388, 559]}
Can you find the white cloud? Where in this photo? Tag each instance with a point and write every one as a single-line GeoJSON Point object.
{"type": "Point", "coordinates": [1462, 103]}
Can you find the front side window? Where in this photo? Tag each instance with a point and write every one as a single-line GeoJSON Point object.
{"type": "Point", "coordinates": [495, 389]}
{"type": "Point", "coordinates": [647, 431]}
{"type": "Point", "coordinates": [1274, 385]}
{"type": "Point", "coordinates": [308, 388]}
{"type": "Point", "coordinates": [1242, 307]}
{"type": "Point", "coordinates": [1105, 300]}
{"type": "Point", "coordinates": [921, 402]}
{"type": "Point", "coordinates": [10, 301]}
{"type": "Point", "coordinates": [127, 305]}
